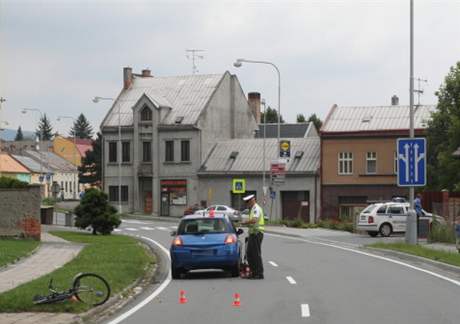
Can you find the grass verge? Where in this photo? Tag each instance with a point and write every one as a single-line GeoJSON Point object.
{"type": "Point", "coordinates": [13, 249]}
{"type": "Point", "coordinates": [452, 258]}
{"type": "Point", "coordinates": [119, 259]}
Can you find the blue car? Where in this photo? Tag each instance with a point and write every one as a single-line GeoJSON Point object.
{"type": "Point", "coordinates": [203, 242]}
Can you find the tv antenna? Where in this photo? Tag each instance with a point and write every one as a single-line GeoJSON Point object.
{"type": "Point", "coordinates": [192, 54]}
{"type": "Point", "coordinates": [419, 91]}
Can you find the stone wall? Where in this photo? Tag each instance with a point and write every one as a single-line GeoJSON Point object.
{"type": "Point", "coordinates": [20, 212]}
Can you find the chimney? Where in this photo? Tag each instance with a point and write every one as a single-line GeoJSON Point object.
{"type": "Point", "coordinates": [146, 73]}
{"type": "Point", "coordinates": [254, 104]}
{"type": "Point", "coordinates": [394, 100]}
{"type": "Point", "coordinates": [127, 77]}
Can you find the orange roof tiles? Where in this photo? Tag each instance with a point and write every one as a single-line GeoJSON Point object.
{"type": "Point", "coordinates": [10, 165]}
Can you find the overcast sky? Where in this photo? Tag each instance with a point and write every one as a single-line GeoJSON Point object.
{"type": "Point", "coordinates": [57, 55]}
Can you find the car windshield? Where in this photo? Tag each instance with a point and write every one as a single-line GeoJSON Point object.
{"type": "Point", "coordinates": [369, 209]}
{"type": "Point", "coordinates": [202, 226]}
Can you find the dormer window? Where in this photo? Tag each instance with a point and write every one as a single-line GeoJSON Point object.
{"type": "Point", "coordinates": [146, 114]}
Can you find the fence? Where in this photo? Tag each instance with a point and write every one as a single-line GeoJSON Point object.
{"type": "Point", "coordinates": [446, 204]}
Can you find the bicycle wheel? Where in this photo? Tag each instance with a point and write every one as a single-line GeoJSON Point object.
{"type": "Point", "coordinates": [91, 289]}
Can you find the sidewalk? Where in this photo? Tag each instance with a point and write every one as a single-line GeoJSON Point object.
{"type": "Point", "coordinates": [53, 253]}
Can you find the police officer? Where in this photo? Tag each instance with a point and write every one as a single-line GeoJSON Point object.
{"type": "Point", "coordinates": [256, 234]}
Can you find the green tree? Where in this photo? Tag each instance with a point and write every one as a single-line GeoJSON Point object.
{"type": "Point", "coordinates": [19, 135]}
{"type": "Point", "coordinates": [90, 170]}
{"type": "Point", "coordinates": [272, 116]}
{"type": "Point", "coordinates": [44, 130]}
{"type": "Point", "coordinates": [301, 118]}
{"type": "Point", "coordinates": [81, 128]}
{"type": "Point", "coordinates": [443, 135]}
{"type": "Point", "coordinates": [316, 121]}
{"type": "Point", "coordinates": [95, 211]}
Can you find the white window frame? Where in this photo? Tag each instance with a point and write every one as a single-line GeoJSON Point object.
{"type": "Point", "coordinates": [345, 163]}
{"type": "Point", "coordinates": [371, 156]}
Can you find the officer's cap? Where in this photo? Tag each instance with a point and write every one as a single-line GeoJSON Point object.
{"type": "Point", "coordinates": [247, 198]}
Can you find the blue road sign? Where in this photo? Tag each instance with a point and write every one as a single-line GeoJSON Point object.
{"type": "Point", "coordinates": [411, 162]}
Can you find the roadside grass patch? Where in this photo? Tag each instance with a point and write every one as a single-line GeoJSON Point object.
{"type": "Point", "coordinates": [452, 258]}
{"type": "Point", "coordinates": [119, 259]}
{"type": "Point", "coordinates": [13, 249]}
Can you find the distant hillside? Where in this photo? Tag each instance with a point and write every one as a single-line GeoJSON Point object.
{"type": "Point", "coordinates": [10, 134]}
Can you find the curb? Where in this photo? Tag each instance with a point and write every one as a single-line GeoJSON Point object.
{"type": "Point", "coordinates": [153, 218]}
{"type": "Point", "coordinates": [137, 290]}
{"type": "Point", "coordinates": [414, 258]}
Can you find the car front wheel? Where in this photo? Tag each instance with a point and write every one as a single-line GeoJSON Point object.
{"type": "Point", "coordinates": [175, 272]}
{"type": "Point", "coordinates": [385, 230]}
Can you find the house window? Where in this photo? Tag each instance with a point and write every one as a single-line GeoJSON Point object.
{"type": "Point", "coordinates": [395, 166]}
{"type": "Point", "coordinates": [125, 150]}
{"type": "Point", "coordinates": [185, 151]}
{"type": "Point", "coordinates": [345, 163]}
{"type": "Point", "coordinates": [124, 193]}
{"type": "Point", "coordinates": [113, 193]}
{"type": "Point", "coordinates": [146, 114]}
{"type": "Point", "coordinates": [66, 186]}
{"type": "Point", "coordinates": [146, 151]}
{"type": "Point", "coordinates": [169, 152]}
{"type": "Point", "coordinates": [113, 152]}
{"type": "Point", "coordinates": [371, 162]}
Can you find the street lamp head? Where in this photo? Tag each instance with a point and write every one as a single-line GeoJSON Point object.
{"type": "Point", "coordinates": [238, 63]}
{"type": "Point", "coordinates": [58, 119]}
{"type": "Point", "coordinates": [24, 111]}
{"type": "Point", "coordinates": [96, 99]}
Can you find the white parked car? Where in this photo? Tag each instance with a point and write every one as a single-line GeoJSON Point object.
{"type": "Point", "coordinates": [389, 217]}
{"type": "Point", "coordinates": [233, 214]}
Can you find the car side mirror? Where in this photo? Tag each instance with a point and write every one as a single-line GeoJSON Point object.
{"type": "Point", "coordinates": [239, 231]}
{"type": "Point", "coordinates": [173, 233]}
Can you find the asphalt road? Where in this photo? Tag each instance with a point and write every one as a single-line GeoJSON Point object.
{"type": "Point", "coordinates": [306, 281]}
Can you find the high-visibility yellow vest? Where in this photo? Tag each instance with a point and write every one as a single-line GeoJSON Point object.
{"type": "Point", "coordinates": [260, 225]}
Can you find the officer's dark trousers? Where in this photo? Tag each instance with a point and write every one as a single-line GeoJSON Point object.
{"type": "Point", "coordinates": [255, 253]}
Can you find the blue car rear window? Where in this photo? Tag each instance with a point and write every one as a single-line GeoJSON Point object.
{"type": "Point", "coordinates": [203, 226]}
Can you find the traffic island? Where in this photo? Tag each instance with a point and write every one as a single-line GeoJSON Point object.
{"type": "Point", "coordinates": [121, 260]}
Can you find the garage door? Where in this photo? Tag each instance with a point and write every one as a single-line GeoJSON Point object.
{"type": "Point", "coordinates": [295, 204]}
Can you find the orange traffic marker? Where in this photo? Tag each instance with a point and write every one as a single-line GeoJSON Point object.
{"type": "Point", "coordinates": [236, 300]}
{"type": "Point", "coordinates": [182, 298]}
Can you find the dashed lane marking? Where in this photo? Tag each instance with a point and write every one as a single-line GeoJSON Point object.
{"type": "Point", "coordinates": [273, 264]}
{"type": "Point", "coordinates": [291, 280]}
{"type": "Point", "coordinates": [162, 228]}
{"type": "Point", "coordinates": [131, 229]}
{"type": "Point", "coordinates": [117, 230]}
{"type": "Point", "coordinates": [305, 310]}
{"type": "Point", "coordinates": [147, 228]}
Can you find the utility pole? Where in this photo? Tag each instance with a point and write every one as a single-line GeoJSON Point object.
{"type": "Point", "coordinates": [411, 223]}
{"type": "Point", "coordinates": [192, 54]}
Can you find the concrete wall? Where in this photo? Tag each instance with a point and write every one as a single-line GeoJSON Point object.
{"type": "Point", "coordinates": [217, 190]}
{"type": "Point", "coordinates": [20, 212]}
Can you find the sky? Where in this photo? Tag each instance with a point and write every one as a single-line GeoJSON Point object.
{"type": "Point", "coordinates": [57, 55]}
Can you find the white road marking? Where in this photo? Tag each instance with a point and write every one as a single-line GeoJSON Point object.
{"type": "Point", "coordinates": [162, 228]}
{"type": "Point", "coordinates": [291, 280]}
{"type": "Point", "coordinates": [133, 221]}
{"type": "Point", "coordinates": [173, 227]}
{"type": "Point", "coordinates": [305, 310]}
{"type": "Point", "coordinates": [117, 230]}
{"type": "Point", "coordinates": [273, 264]}
{"type": "Point", "coordinates": [147, 228]}
{"type": "Point", "coordinates": [431, 273]}
{"type": "Point", "coordinates": [153, 295]}
{"type": "Point", "coordinates": [130, 229]}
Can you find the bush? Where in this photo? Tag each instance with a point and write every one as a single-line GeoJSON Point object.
{"type": "Point", "coordinates": [441, 233]}
{"type": "Point", "coordinates": [6, 182]}
{"type": "Point", "coordinates": [95, 211]}
{"type": "Point", "coordinates": [49, 201]}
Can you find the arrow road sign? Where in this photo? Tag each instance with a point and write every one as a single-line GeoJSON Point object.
{"type": "Point", "coordinates": [411, 162]}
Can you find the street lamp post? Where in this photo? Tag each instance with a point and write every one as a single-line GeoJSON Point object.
{"type": "Point", "coordinates": [264, 187]}
{"type": "Point", "coordinates": [40, 135]}
{"type": "Point", "coordinates": [238, 63]}
{"type": "Point", "coordinates": [74, 156]}
{"type": "Point", "coordinates": [119, 157]}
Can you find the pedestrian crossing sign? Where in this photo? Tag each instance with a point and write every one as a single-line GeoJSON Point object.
{"type": "Point", "coordinates": [239, 186]}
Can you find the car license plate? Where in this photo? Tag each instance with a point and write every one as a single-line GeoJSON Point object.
{"type": "Point", "coordinates": [203, 252]}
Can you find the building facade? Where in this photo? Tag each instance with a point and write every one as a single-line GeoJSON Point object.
{"type": "Point", "coordinates": [298, 196]}
{"type": "Point", "coordinates": [167, 127]}
{"type": "Point", "coordinates": [358, 156]}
